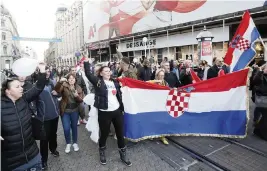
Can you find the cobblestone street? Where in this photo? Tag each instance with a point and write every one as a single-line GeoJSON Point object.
{"type": "Point", "coordinates": [88, 159]}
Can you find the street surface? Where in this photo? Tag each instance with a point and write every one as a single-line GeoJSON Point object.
{"type": "Point", "coordinates": [153, 155]}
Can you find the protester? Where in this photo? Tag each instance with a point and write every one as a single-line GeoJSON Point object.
{"type": "Point", "coordinates": [170, 77]}
{"type": "Point", "coordinates": [80, 81]}
{"type": "Point", "coordinates": [108, 101]}
{"type": "Point", "coordinates": [159, 79]}
{"type": "Point", "coordinates": [16, 126]}
{"type": "Point", "coordinates": [214, 70]}
{"type": "Point", "coordinates": [47, 107]}
{"type": "Point", "coordinates": [72, 96]}
{"type": "Point", "coordinates": [145, 72]}
{"type": "Point", "coordinates": [185, 75]}
{"type": "Point", "coordinates": [260, 83]}
{"type": "Point", "coordinates": [175, 69]}
{"type": "Point", "coordinates": [206, 68]}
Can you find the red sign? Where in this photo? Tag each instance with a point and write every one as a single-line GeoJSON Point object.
{"type": "Point", "coordinates": [206, 48]}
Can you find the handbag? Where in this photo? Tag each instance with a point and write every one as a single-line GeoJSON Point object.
{"type": "Point", "coordinates": [38, 129]}
{"type": "Point", "coordinates": [261, 101]}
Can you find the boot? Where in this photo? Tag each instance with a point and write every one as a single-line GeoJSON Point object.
{"type": "Point", "coordinates": [123, 157]}
{"type": "Point", "coordinates": [102, 155]}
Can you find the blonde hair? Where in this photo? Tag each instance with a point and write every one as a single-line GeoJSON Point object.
{"type": "Point", "coordinates": [157, 73]}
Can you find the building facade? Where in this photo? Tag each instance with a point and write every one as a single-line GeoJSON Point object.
{"type": "Point", "coordinates": [10, 49]}
{"type": "Point", "coordinates": [50, 54]}
{"type": "Point", "coordinates": [69, 28]}
{"type": "Point", "coordinates": [29, 52]}
{"type": "Point", "coordinates": [171, 27]}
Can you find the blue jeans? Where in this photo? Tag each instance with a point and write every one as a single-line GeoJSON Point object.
{"type": "Point", "coordinates": [33, 165]}
{"type": "Point", "coordinates": [70, 120]}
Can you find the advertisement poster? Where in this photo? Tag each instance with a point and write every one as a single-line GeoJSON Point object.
{"type": "Point", "coordinates": [206, 51]}
{"type": "Point", "coordinates": [109, 19]}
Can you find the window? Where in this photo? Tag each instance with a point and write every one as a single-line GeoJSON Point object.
{"type": "Point", "coordinates": [178, 53]}
{"type": "Point", "coordinates": [5, 49]}
{"type": "Point", "coordinates": [160, 54]}
{"type": "Point", "coordinates": [2, 23]}
{"type": "Point", "coordinates": [3, 36]}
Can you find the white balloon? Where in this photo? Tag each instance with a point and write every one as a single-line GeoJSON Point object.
{"type": "Point", "coordinates": [135, 60]}
{"type": "Point", "coordinates": [24, 66]}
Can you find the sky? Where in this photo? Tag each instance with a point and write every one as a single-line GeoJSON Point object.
{"type": "Point", "coordinates": [35, 18]}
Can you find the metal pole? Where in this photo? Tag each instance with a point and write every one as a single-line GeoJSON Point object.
{"type": "Point", "coordinates": [168, 44]}
{"type": "Point", "coordinates": [109, 52]}
{"type": "Point", "coordinates": [193, 48]}
{"type": "Point", "coordinates": [148, 45]}
{"type": "Point", "coordinates": [133, 48]}
{"type": "Point", "coordinates": [223, 32]}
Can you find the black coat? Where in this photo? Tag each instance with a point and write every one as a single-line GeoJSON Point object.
{"type": "Point", "coordinates": [172, 80]}
{"type": "Point", "coordinates": [18, 146]}
{"type": "Point", "coordinates": [145, 74]}
{"type": "Point", "coordinates": [185, 78]}
{"type": "Point", "coordinates": [101, 91]}
{"type": "Point", "coordinates": [213, 72]}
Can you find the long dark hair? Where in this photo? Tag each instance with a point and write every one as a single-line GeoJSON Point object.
{"type": "Point", "coordinates": [101, 69]}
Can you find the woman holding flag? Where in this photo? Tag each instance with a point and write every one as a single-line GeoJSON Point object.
{"type": "Point", "coordinates": [108, 101]}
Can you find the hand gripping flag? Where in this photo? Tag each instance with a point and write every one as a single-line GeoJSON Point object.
{"type": "Point", "coordinates": [221, 72]}
{"type": "Point", "coordinates": [216, 107]}
{"type": "Point", "coordinates": [194, 76]}
{"type": "Point", "coordinates": [241, 49]}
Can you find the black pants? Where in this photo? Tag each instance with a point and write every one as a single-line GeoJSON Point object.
{"type": "Point", "coordinates": [261, 127]}
{"type": "Point", "coordinates": [81, 111]}
{"type": "Point", "coordinates": [104, 119]}
{"type": "Point", "coordinates": [51, 138]}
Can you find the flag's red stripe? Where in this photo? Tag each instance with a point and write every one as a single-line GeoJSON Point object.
{"type": "Point", "coordinates": [240, 31]}
{"type": "Point", "coordinates": [194, 76]}
{"type": "Point", "coordinates": [218, 84]}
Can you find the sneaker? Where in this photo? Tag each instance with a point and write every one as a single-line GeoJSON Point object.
{"type": "Point", "coordinates": [115, 137]}
{"type": "Point", "coordinates": [83, 121]}
{"type": "Point", "coordinates": [44, 165]}
{"type": "Point", "coordinates": [78, 123]}
{"type": "Point", "coordinates": [67, 150]}
{"type": "Point", "coordinates": [76, 147]}
{"type": "Point", "coordinates": [102, 155]}
{"type": "Point", "coordinates": [55, 153]}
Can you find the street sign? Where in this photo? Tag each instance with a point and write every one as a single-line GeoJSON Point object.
{"type": "Point", "coordinates": [35, 39]}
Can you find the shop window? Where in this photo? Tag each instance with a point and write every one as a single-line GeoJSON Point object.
{"type": "Point", "coordinates": [2, 23]}
{"type": "Point", "coordinates": [5, 50]}
{"type": "Point", "coordinates": [178, 53]}
{"type": "Point", "coordinates": [3, 36]}
{"type": "Point", "coordinates": [125, 54]}
{"type": "Point", "coordinates": [160, 55]}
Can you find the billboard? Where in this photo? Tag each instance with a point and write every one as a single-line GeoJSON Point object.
{"type": "Point", "coordinates": [108, 19]}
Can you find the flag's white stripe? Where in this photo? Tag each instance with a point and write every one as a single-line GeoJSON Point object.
{"type": "Point", "coordinates": [141, 100]}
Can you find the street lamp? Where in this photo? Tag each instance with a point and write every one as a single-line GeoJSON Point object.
{"type": "Point", "coordinates": [145, 40]}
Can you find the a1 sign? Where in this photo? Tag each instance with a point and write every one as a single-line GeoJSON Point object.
{"type": "Point", "coordinates": [206, 48]}
{"type": "Point", "coordinates": [92, 31]}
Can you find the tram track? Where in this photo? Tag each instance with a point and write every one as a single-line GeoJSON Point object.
{"type": "Point", "coordinates": [211, 157]}
{"type": "Point", "coordinates": [252, 149]}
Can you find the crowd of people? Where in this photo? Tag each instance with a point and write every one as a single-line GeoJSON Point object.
{"type": "Point", "coordinates": [52, 93]}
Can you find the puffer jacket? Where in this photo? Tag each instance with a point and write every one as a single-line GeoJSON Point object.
{"type": "Point", "coordinates": [18, 146]}
{"type": "Point", "coordinates": [101, 91]}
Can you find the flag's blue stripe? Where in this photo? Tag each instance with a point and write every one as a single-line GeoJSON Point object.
{"type": "Point", "coordinates": [247, 56]}
{"type": "Point", "coordinates": [157, 123]}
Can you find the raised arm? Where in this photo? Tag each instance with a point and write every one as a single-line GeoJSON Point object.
{"type": "Point", "coordinates": [91, 77]}
{"type": "Point", "coordinates": [38, 87]}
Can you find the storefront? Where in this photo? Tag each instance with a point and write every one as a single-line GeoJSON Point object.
{"type": "Point", "coordinates": [175, 46]}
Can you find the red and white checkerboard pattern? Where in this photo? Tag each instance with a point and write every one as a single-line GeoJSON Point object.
{"type": "Point", "coordinates": [177, 103]}
{"type": "Point", "coordinates": [243, 44]}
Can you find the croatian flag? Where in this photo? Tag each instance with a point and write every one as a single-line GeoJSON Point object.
{"type": "Point", "coordinates": [241, 50]}
{"type": "Point", "coordinates": [216, 107]}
